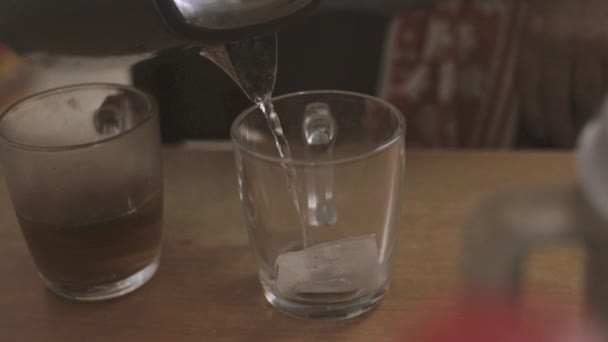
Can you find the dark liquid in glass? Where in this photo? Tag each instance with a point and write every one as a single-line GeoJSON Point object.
{"type": "Point", "coordinates": [96, 253]}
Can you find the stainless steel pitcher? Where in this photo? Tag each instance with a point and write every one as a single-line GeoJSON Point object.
{"type": "Point", "coordinates": [105, 27]}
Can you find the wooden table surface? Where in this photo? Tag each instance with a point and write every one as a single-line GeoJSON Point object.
{"type": "Point", "coordinates": [206, 288]}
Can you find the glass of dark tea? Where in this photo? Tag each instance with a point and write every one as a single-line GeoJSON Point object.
{"type": "Point", "coordinates": [83, 167]}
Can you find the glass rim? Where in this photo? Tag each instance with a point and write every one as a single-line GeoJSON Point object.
{"type": "Point", "coordinates": [151, 112]}
{"type": "Point", "coordinates": [397, 134]}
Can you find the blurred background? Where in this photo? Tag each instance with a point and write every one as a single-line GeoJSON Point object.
{"type": "Point", "coordinates": [465, 73]}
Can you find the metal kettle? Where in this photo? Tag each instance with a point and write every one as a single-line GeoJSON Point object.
{"type": "Point", "coordinates": [106, 27]}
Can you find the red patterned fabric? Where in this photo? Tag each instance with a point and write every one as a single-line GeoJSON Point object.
{"type": "Point", "coordinates": [451, 70]}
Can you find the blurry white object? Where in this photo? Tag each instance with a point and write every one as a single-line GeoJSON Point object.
{"type": "Point", "coordinates": [593, 162]}
{"type": "Point", "coordinates": [52, 71]}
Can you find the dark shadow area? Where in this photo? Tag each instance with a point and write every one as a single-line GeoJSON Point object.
{"type": "Point", "coordinates": [198, 100]}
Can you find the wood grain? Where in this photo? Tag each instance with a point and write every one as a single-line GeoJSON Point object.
{"type": "Point", "coordinates": [206, 288]}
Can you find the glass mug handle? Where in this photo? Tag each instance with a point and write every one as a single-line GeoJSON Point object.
{"type": "Point", "coordinates": [504, 229]}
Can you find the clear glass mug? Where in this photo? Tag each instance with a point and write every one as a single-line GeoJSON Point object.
{"type": "Point", "coordinates": [323, 222]}
{"type": "Point", "coordinates": [507, 227]}
{"type": "Point", "coordinates": [83, 168]}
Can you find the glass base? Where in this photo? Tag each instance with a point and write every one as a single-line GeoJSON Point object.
{"type": "Point", "coordinates": [323, 311]}
{"type": "Point", "coordinates": [105, 291]}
